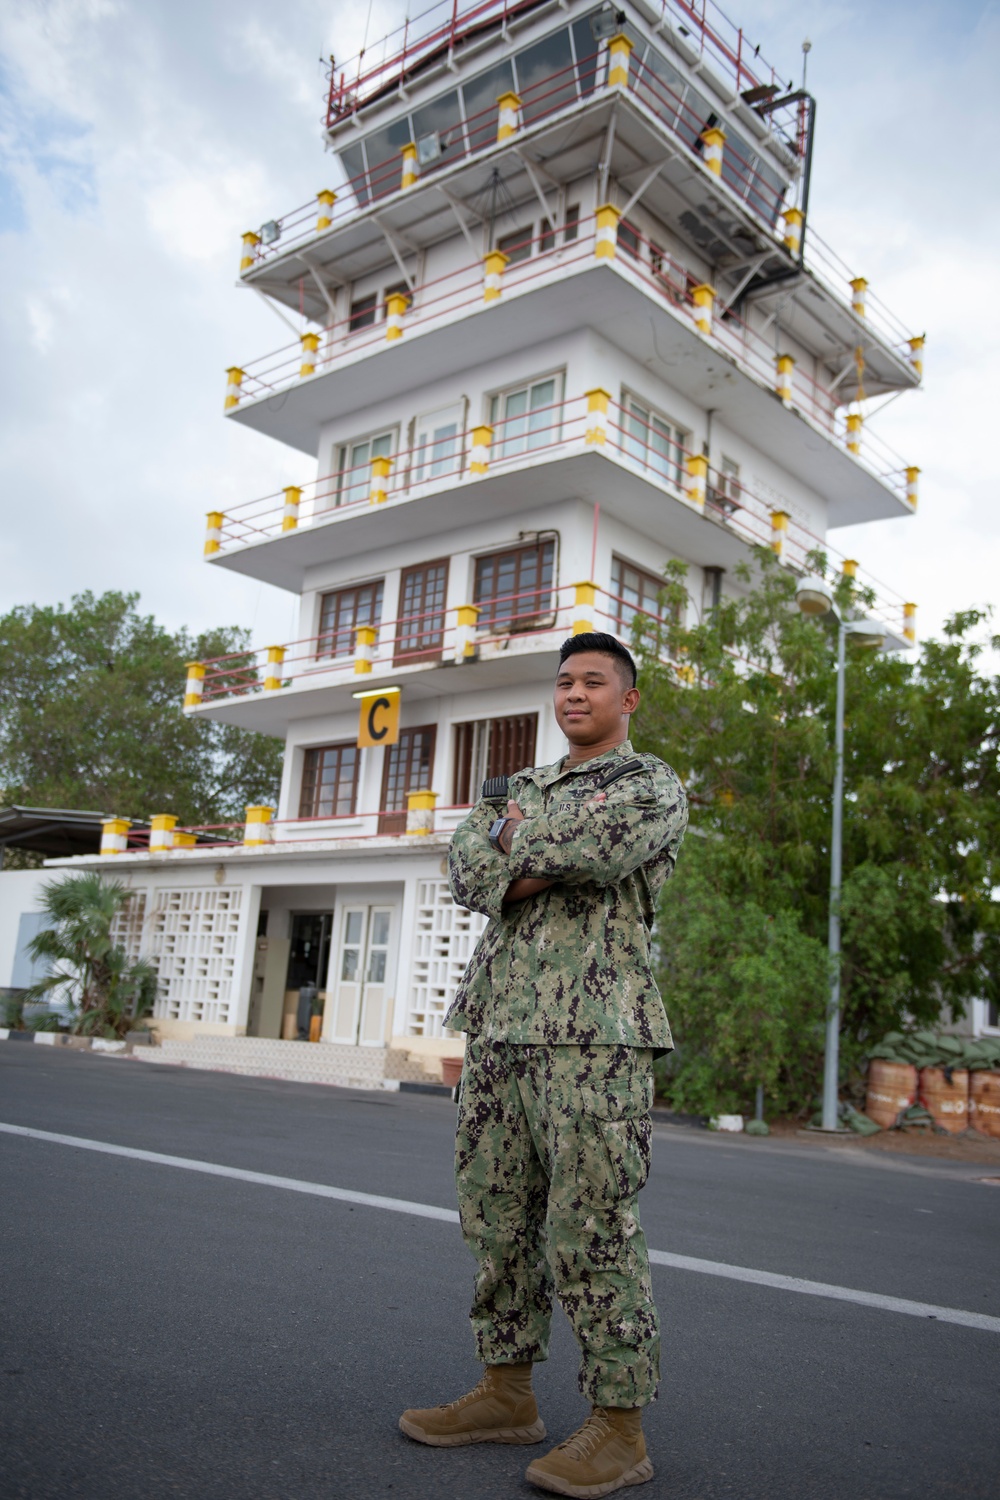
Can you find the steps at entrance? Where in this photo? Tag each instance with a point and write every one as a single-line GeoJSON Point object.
{"type": "Point", "coordinates": [297, 1062]}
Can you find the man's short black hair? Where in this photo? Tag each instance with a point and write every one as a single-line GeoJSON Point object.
{"type": "Point", "coordinates": [607, 645]}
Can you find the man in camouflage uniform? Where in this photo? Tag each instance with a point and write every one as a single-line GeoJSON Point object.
{"type": "Point", "coordinates": [563, 1020]}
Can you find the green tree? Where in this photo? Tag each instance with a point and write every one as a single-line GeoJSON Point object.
{"type": "Point", "coordinates": [742, 704]}
{"type": "Point", "coordinates": [91, 717]}
{"type": "Point", "coordinates": [90, 975]}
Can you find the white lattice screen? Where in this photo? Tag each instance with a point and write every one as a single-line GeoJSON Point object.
{"type": "Point", "coordinates": [443, 942]}
{"type": "Point", "coordinates": [192, 941]}
{"type": "Point", "coordinates": [127, 927]}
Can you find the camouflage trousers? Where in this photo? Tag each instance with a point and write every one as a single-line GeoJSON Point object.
{"type": "Point", "coordinates": [552, 1148]}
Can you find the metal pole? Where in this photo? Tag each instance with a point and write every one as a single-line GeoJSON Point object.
{"type": "Point", "coordinates": [831, 1061]}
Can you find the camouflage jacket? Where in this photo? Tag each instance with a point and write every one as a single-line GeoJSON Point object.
{"type": "Point", "coordinates": [572, 964]}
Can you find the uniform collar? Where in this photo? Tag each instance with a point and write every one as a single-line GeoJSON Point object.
{"type": "Point", "coordinates": [555, 772]}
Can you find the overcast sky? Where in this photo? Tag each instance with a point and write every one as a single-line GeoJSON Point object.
{"type": "Point", "coordinates": [139, 138]}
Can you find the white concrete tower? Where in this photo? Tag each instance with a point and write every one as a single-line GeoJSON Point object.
{"type": "Point", "coordinates": [564, 317]}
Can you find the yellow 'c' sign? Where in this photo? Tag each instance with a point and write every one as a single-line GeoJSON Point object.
{"type": "Point", "coordinates": [378, 722]}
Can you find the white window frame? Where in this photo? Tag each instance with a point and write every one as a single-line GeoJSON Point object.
{"type": "Point", "coordinates": [507, 445]}
{"type": "Point", "coordinates": [425, 467]}
{"type": "Point", "coordinates": [678, 439]}
{"type": "Point", "coordinates": [339, 466]}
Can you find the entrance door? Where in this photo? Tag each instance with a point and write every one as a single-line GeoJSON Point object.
{"type": "Point", "coordinates": [357, 1015]}
{"type": "Point", "coordinates": [308, 961]}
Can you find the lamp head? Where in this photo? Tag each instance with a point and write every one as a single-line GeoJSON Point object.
{"type": "Point", "coordinates": [867, 634]}
{"type": "Point", "coordinates": [814, 595]}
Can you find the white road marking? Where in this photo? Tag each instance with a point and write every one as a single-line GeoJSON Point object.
{"type": "Point", "coordinates": [926, 1310]}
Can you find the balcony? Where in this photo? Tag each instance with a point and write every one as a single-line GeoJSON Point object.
{"type": "Point", "coordinates": [646, 134]}
{"type": "Point", "coordinates": [509, 640]}
{"type": "Point", "coordinates": [587, 448]}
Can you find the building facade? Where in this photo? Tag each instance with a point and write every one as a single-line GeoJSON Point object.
{"type": "Point", "coordinates": [562, 318]}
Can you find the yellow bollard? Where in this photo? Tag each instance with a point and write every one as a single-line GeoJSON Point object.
{"type": "Point", "coordinates": [250, 242]}
{"type": "Point", "coordinates": [859, 287]}
{"type": "Point", "coordinates": [855, 422]}
{"type": "Point", "coordinates": [379, 492]}
{"type": "Point", "coordinates": [910, 623]}
{"type": "Point", "coordinates": [465, 631]}
{"type": "Point", "coordinates": [482, 443]}
{"type": "Point", "coordinates": [598, 401]}
{"type": "Point", "coordinates": [494, 263]}
{"type": "Point", "coordinates": [364, 649]}
{"type": "Point", "coordinates": [715, 143]}
{"type": "Point", "coordinates": [420, 811]}
{"type": "Point", "coordinates": [257, 830]}
{"type": "Point", "coordinates": [195, 684]}
{"type": "Point", "coordinates": [325, 201]}
{"type": "Point", "coordinates": [114, 835]}
{"type": "Point", "coordinates": [606, 233]}
{"type": "Point", "coordinates": [619, 55]}
{"type": "Point", "coordinates": [234, 380]}
{"type": "Point", "coordinates": [849, 567]}
{"type": "Point", "coordinates": [585, 597]}
{"type": "Point", "coordinates": [509, 117]}
{"type": "Point", "coordinates": [779, 528]}
{"type": "Point", "coordinates": [161, 833]}
{"type": "Point", "coordinates": [912, 481]}
{"type": "Point", "coordinates": [290, 515]}
{"type": "Point", "coordinates": [695, 479]}
{"type": "Point", "coordinates": [793, 230]}
{"type": "Point", "coordinates": [395, 306]}
{"type": "Point", "coordinates": [917, 353]}
{"type": "Point", "coordinates": [272, 677]}
{"type": "Point", "coordinates": [213, 532]}
{"type": "Point", "coordinates": [783, 382]}
{"type": "Point", "coordinates": [310, 344]}
{"type": "Point", "coordinates": [411, 167]}
{"type": "Point", "coordinates": [703, 301]}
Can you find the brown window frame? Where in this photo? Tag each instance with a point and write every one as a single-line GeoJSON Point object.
{"type": "Point", "coordinates": [622, 627]}
{"type": "Point", "coordinates": [332, 636]}
{"type": "Point", "coordinates": [402, 654]}
{"type": "Point", "coordinates": [531, 612]}
{"type": "Point", "coordinates": [510, 747]}
{"type": "Point", "coordinates": [392, 820]}
{"type": "Point", "coordinates": [310, 762]}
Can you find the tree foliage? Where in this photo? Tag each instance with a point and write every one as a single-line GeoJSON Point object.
{"type": "Point", "coordinates": [90, 975]}
{"type": "Point", "coordinates": [741, 703]}
{"type": "Point", "coordinates": [91, 717]}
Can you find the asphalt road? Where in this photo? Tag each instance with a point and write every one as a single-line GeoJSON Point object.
{"type": "Point", "coordinates": [170, 1334]}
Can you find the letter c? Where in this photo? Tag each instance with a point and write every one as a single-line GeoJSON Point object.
{"type": "Point", "coordinates": [377, 734]}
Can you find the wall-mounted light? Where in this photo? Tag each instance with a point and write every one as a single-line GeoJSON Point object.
{"type": "Point", "coordinates": [270, 232]}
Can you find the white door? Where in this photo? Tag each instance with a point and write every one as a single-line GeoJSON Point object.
{"type": "Point", "coordinates": [357, 1014]}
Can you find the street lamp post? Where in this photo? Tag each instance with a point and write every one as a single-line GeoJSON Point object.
{"type": "Point", "coordinates": [815, 597]}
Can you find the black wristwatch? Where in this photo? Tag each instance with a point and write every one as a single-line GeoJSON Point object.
{"type": "Point", "coordinates": [496, 831]}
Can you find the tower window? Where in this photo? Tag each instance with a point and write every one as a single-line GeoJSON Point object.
{"type": "Point", "coordinates": [491, 747]}
{"type": "Point", "coordinates": [352, 466]}
{"type": "Point", "coordinates": [526, 417]}
{"type": "Point", "coordinates": [409, 767]}
{"type": "Point", "coordinates": [420, 628]}
{"type": "Point", "coordinates": [514, 588]}
{"type": "Point", "coordinates": [330, 781]}
{"type": "Point", "coordinates": [363, 312]}
{"type": "Point", "coordinates": [635, 593]}
{"type": "Point", "coordinates": [654, 440]}
{"type": "Point", "coordinates": [517, 245]}
{"type": "Point", "coordinates": [341, 614]}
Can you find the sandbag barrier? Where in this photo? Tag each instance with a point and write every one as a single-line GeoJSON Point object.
{"type": "Point", "coordinates": [925, 1078]}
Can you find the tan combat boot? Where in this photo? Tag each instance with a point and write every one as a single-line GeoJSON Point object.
{"type": "Point", "coordinates": [501, 1409]}
{"type": "Point", "coordinates": [607, 1453]}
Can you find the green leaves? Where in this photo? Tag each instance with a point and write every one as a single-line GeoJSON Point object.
{"type": "Point", "coordinates": [89, 973]}
{"type": "Point", "coordinates": [91, 718]}
{"type": "Point", "coordinates": [740, 701]}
